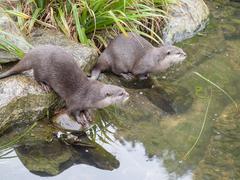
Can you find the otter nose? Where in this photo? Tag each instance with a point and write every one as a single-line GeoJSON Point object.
{"type": "Point", "coordinates": [184, 54]}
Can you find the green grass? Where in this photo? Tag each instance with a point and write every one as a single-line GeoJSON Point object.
{"type": "Point", "coordinates": [17, 139]}
{"type": "Point", "coordinates": [92, 21]}
{"type": "Point", "coordinates": [8, 46]}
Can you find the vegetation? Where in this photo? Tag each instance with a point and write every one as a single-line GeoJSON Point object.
{"type": "Point", "coordinates": [92, 20]}
{"type": "Point", "coordinates": [8, 46]}
{"type": "Point", "coordinates": [6, 148]}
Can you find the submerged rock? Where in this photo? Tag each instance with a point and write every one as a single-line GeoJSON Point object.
{"type": "Point", "coordinates": [221, 159]}
{"type": "Point", "coordinates": [50, 159]}
{"type": "Point", "coordinates": [186, 18]}
{"type": "Point", "coordinates": [44, 155]}
{"type": "Point", "coordinates": [10, 32]}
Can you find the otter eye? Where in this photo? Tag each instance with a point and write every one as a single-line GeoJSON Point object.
{"type": "Point", "coordinates": [168, 53]}
{"type": "Point", "coordinates": [121, 94]}
{"type": "Point", "coordinates": [108, 94]}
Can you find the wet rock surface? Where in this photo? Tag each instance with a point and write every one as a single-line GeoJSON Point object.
{"type": "Point", "coordinates": [68, 123]}
{"type": "Point", "coordinates": [186, 18]}
{"type": "Point", "coordinates": [22, 100]}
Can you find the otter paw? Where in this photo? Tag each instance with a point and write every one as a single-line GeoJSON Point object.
{"type": "Point", "coordinates": [127, 76]}
{"type": "Point", "coordinates": [45, 87]}
{"type": "Point", "coordinates": [88, 116]}
{"type": "Point", "coordinates": [84, 118]}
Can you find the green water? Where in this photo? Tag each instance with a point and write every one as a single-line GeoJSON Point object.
{"type": "Point", "coordinates": [151, 136]}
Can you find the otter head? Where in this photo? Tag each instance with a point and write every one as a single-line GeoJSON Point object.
{"type": "Point", "coordinates": [105, 95]}
{"type": "Point", "coordinates": [167, 56]}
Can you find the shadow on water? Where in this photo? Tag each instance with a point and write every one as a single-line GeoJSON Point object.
{"type": "Point", "coordinates": [170, 98]}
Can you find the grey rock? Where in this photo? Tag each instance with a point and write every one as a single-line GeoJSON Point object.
{"type": "Point", "coordinates": [22, 98]}
{"type": "Point", "coordinates": [10, 32]}
{"type": "Point", "coordinates": [67, 123]}
{"type": "Point", "coordinates": [186, 18]}
{"type": "Point", "coordinates": [23, 101]}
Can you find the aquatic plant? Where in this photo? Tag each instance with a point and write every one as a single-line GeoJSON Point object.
{"type": "Point", "coordinates": [9, 144]}
{"type": "Point", "coordinates": [201, 131]}
{"type": "Point", "coordinates": [207, 109]}
{"type": "Point", "coordinates": [104, 119]}
{"type": "Point", "coordinates": [218, 87]}
{"type": "Point", "coordinates": [92, 20]}
{"type": "Point", "coordinates": [5, 154]}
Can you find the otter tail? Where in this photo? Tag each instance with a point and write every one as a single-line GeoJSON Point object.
{"type": "Point", "coordinates": [101, 65]}
{"type": "Point", "coordinates": [21, 66]}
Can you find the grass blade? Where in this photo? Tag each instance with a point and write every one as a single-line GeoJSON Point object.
{"type": "Point", "coordinates": [6, 145]}
{"type": "Point", "coordinates": [81, 31]}
{"type": "Point", "coordinates": [201, 131]}
{"type": "Point", "coordinates": [218, 87]}
{"type": "Point", "coordinates": [34, 19]}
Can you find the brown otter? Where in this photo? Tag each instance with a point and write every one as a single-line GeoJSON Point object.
{"type": "Point", "coordinates": [56, 68]}
{"type": "Point", "coordinates": [134, 55]}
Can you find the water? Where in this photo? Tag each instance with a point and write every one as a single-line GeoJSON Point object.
{"type": "Point", "coordinates": [151, 135]}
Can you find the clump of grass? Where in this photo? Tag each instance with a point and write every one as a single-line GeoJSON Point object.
{"type": "Point", "coordinates": [8, 46]}
{"type": "Point", "coordinates": [92, 20]}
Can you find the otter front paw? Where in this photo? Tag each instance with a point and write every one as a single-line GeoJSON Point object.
{"type": "Point", "coordinates": [45, 87]}
{"type": "Point", "coordinates": [84, 118]}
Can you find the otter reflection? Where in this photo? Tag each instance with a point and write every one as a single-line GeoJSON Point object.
{"type": "Point", "coordinates": [50, 159]}
{"type": "Point", "coordinates": [168, 97]}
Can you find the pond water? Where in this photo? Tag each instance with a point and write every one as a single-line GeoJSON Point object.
{"type": "Point", "coordinates": [175, 126]}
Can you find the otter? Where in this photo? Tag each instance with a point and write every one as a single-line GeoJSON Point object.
{"type": "Point", "coordinates": [132, 55]}
{"type": "Point", "coordinates": [55, 68]}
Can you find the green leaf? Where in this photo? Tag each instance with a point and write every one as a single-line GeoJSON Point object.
{"type": "Point", "coordinates": [80, 30]}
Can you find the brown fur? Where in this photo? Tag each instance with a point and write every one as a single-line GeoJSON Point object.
{"type": "Point", "coordinates": [134, 54]}
{"type": "Point", "coordinates": [57, 69]}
